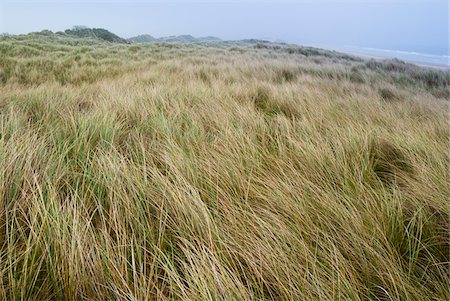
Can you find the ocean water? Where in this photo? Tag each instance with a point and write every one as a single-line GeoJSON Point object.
{"type": "Point", "coordinates": [419, 58]}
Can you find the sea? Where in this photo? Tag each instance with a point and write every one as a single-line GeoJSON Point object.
{"type": "Point", "coordinates": [439, 61]}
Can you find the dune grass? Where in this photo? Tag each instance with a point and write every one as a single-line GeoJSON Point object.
{"type": "Point", "coordinates": [219, 172]}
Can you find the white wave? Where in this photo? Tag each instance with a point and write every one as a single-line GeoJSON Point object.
{"type": "Point", "coordinates": [409, 56]}
{"type": "Point", "coordinates": [405, 52]}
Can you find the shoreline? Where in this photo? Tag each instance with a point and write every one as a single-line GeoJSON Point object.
{"type": "Point", "coordinates": [378, 55]}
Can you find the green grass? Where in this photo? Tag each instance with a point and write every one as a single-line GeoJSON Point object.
{"type": "Point", "coordinates": [221, 171]}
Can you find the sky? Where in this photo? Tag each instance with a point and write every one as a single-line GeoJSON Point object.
{"type": "Point", "coordinates": [407, 25]}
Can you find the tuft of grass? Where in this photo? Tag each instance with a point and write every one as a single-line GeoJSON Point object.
{"type": "Point", "coordinates": [134, 49]}
{"type": "Point", "coordinates": [285, 75]}
{"type": "Point", "coordinates": [263, 101]}
{"type": "Point", "coordinates": [389, 162]}
{"type": "Point", "coordinates": [389, 95]}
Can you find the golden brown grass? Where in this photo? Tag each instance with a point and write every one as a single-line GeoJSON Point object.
{"type": "Point", "coordinates": [227, 172]}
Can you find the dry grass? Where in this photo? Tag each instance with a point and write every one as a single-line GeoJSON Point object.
{"type": "Point", "coordinates": [189, 172]}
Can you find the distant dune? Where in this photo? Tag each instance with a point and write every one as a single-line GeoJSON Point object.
{"type": "Point", "coordinates": [144, 39]}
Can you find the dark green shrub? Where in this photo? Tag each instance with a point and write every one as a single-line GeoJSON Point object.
{"type": "Point", "coordinates": [285, 75]}
{"type": "Point", "coordinates": [237, 49]}
{"type": "Point", "coordinates": [432, 78]}
{"type": "Point", "coordinates": [262, 100]}
{"type": "Point", "coordinates": [389, 95]}
{"type": "Point", "coordinates": [356, 76]}
{"type": "Point", "coordinates": [389, 163]}
{"type": "Point", "coordinates": [204, 76]}
{"type": "Point", "coordinates": [134, 49]}
{"type": "Point", "coordinates": [261, 46]}
{"type": "Point", "coordinates": [267, 104]}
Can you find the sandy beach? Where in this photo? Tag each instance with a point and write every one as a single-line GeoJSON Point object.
{"type": "Point", "coordinates": [420, 59]}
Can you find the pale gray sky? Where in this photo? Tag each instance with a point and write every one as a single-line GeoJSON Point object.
{"type": "Point", "coordinates": [409, 25]}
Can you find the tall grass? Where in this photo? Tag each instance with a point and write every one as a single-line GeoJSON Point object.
{"type": "Point", "coordinates": [200, 173]}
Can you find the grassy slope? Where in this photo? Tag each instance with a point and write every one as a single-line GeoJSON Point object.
{"type": "Point", "coordinates": [220, 172]}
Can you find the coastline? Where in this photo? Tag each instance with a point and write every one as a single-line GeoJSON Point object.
{"type": "Point", "coordinates": [419, 59]}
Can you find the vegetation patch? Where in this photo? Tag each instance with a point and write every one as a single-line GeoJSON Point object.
{"type": "Point", "coordinates": [263, 101]}
{"type": "Point", "coordinates": [389, 95]}
{"type": "Point", "coordinates": [389, 162]}
{"type": "Point", "coordinates": [95, 33]}
{"type": "Point", "coordinates": [268, 104]}
{"type": "Point", "coordinates": [285, 76]}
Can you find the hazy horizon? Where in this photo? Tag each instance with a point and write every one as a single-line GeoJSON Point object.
{"type": "Point", "coordinates": [416, 26]}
